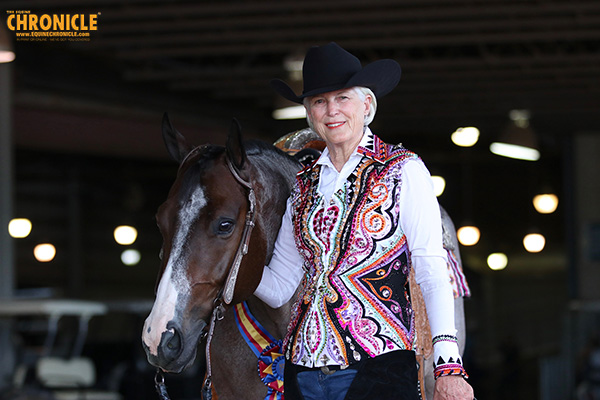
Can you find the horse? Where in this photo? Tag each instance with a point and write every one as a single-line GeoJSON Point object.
{"type": "Point", "coordinates": [219, 224]}
{"type": "Point", "coordinates": [202, 223]}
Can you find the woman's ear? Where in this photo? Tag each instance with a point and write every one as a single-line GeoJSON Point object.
{"type": "Point", "coordinates": [367, 102]}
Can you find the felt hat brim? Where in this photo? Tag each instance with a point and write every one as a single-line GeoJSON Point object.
{"type": "Point", "coordinates": [381, 76]}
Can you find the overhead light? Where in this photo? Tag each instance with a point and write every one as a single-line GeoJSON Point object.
{"type": "Point", "coordinates": [465, 137]}
{"type": "Point", "coordinates": [497, 261]}
{"type": "Point", "coordinates": [125, 235]}
{"type": "Point", "coordinates": [439, 184]}
{"type": "Point", "coordinates": [518, 140]}
{"type": "Point", "coordinates": [290, 112]}
{"type": "Point", "coordinates": [131, 257]}
{"type": "Point", "coordinates": [44, 252]}
{"type": "Point", "coordinates": [284, 108]}
{"type": "Point", "coordinates": [545, 203]}
{"type": "Point", "coordinates": [514, 151]}
{"type": "Point", "coordinates": [6, 49]}
{"type": "Point", "coordinates": [468, 235]}
{"type": "Point", "coordinates": [534, 242]}
{"type": "Point", "coordinates": [19, 228]}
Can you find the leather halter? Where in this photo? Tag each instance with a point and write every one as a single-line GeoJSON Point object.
{"type": "Point", "coordinates": [226, 293]}
{"type": "Point", "coordinates": [245, 240]}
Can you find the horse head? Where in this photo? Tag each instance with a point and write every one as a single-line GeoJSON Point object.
{"type": "Point", "coordinates": [202, 223]}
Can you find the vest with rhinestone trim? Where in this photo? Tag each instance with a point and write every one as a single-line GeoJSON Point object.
{"type": "Point", "coordinates": [354, 300]}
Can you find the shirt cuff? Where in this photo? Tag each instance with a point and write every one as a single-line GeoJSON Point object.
{"type": "Point", "coordinates": [446, 357]}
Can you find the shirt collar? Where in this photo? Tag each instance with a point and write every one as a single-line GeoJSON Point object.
{"type": "Point", "coordinates": [363, 149]}
{"type": "Point", "coordinates": [372, 147]}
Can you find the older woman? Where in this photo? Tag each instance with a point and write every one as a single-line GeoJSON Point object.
{"type": "Point", "coordinates": [358, 219]}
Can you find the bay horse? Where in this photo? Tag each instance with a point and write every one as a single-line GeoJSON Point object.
{"type": "Point", "coordinates": [219, 195]}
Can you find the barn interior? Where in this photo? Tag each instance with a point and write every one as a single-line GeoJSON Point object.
{"type": "Point", "coordinates": [81, 153]}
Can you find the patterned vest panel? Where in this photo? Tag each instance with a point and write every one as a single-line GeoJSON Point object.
{"type": "Point", "coordinates": [354, 302]}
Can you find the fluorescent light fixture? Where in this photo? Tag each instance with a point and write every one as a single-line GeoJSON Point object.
{"type": "Point", "coordinates": [292, 112]}
{"type": "Point", "coordinates": [518, 140]}
{"type": "Point", "coordinates": [515, 151]}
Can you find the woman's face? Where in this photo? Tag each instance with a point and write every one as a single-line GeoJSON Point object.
{"type": "Point", "coordinates": [338, 116]}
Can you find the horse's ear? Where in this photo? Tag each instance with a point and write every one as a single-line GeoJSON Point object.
{"type": "Point", "coordinates": [235, 146]}
{"type": "Point", "coordinates": [174, 141]}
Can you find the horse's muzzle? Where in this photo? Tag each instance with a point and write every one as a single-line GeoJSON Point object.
{"type": "Point", "coordinates": [176, 350]}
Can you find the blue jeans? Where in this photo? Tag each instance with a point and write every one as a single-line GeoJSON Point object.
{"type": "Point", "coordinates": [315, 385]}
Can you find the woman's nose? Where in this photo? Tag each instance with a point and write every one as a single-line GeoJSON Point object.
{"type": "Point", "coordinates": [332, 108]}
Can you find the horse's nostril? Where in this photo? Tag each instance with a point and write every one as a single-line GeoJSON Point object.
{"type": "Point", "coordinates": [175, 342]}
{"type": "Point", "coordinates": [170, 345]}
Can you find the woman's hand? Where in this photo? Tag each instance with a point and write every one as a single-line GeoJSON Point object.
{"type": "Point", "coordinates": [452, 387]}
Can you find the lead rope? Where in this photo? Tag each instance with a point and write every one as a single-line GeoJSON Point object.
{"type": "Point", "coordinates": [218, 314]}
{"type": "Point", "coordinates": [159, 384]}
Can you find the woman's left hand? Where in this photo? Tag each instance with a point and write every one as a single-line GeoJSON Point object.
{"type": "Point", "coordinates": [452, 387]}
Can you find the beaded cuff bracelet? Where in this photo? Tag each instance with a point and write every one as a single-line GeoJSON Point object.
{"type": "Point", "coordinates": [444, 338]}
{"type": "Point", "coordinates": [451, 367]}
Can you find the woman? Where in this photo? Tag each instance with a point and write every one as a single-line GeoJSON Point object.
{"type": "Point", "coordinates": [358, 219]}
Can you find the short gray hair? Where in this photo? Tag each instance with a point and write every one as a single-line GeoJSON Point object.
{"type": "Point", "coordinates": [362, 94]}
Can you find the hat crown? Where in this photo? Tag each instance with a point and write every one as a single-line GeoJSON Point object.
{"type": "Point", "coordinates": [328, 65]}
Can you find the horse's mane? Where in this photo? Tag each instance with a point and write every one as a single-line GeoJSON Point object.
{"type": "Point", "coordinates": [269, 158]}
{"type": "Point", "coordinates": [275, 173]}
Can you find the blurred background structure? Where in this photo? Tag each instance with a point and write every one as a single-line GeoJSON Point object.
{"type": "Point", "coordinates": [81, 154]}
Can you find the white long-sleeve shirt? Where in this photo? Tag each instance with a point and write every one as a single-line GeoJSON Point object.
{"type": "Point", "coordinates": [421, 223]}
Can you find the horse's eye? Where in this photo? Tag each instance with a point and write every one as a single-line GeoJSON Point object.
{"type": "Point", "coordinates": [225, 226]}
{"type": "Point", "coordinates": [160, 254]}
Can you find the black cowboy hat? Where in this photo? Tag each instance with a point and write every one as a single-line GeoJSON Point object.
{"type": "Point", "coordinates": [330, 67]}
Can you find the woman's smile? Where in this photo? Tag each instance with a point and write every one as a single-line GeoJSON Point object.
{"type": "Point", "coordinates": [338, 117]}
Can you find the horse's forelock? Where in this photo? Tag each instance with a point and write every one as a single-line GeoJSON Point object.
{"type": "Point", "coordinates": [192, 167]}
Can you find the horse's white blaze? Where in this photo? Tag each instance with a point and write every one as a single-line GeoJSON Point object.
{"type": "Point", "coordinates": [174, 280]}
{"type": "Point", "coordinates": [162, 312]}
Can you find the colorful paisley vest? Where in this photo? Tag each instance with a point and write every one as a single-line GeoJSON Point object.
{"type": "Point", "coordinates": [354, 301]}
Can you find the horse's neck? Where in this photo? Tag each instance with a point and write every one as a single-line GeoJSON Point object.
{"type": "Point", "coordinates": [275, 321]}
{"type": "Point", "coordinates": [272, 190]}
